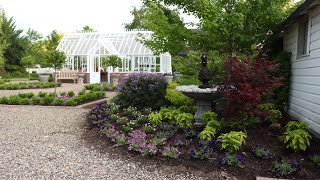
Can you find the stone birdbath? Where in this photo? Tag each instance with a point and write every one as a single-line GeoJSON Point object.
{"type": "Point", "coordinates": [80, 77]}
{"type": "Point", "coordinates": [203, 94]}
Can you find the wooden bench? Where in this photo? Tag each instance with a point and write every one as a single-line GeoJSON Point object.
{"type": "Point", "coordinates": [73, 75]}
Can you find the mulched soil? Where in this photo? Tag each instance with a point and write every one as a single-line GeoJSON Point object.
{"type": "Point", "coordinates": [208, 168]}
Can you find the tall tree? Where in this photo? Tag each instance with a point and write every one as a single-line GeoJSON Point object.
{"type": "Point", "coordinates": [87, 29]}
{"type": "Point", "coordinates": [223, 24]}
{"type": "Point", "coordinates": [170, 33]}
{"type": "Point", "coordinates": [36, 46]}
{"type": "Point", "coordinates": [3, 45]}
{"type": "Point", "coordinates": [137, 22]}
{"type": "Point", "coordinates": [17, 43]}
{"type": "Point", "coordinates": [53, 40]}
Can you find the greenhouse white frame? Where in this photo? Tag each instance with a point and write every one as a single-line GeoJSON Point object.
{"type": "Point", "coordinates": [88, 52]}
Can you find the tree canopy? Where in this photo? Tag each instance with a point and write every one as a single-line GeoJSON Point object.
{"type": "Point", "coordinates": [3, 46]}
{"type": "Point", "coordinates": [17, 43]}
{"type": "Point", "coordinates": [223, 24]}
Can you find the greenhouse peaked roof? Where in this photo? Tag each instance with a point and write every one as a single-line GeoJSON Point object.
{"type": "Point", "coordinates": [125, 43]}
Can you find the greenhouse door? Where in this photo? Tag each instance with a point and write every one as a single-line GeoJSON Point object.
{"type": "Point", "coordinates": [95, 69]}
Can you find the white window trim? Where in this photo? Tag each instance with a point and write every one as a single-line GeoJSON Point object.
{"type": "Point", "coordinates": [308, 39]}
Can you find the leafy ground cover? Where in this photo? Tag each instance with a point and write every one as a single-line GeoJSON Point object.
{"type": "Point", "coordinates": [263, 153]}
{"type": "Point", "coordinates": [29, 85]}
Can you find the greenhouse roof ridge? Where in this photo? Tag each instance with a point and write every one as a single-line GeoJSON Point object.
{"type": "Point", "coordinates": [123, 32]}
{"type": "Point", "coordinates": [97, 43]}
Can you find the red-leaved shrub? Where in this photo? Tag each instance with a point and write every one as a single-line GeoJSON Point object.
{"type": "Point", "coordinates": [248, 81]}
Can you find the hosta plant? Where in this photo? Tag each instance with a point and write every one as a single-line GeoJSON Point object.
{"type": "Point", "coordinates": [232, 141]}
{"type": "Point", "coordinates": [208, 133]}
{"type": "Point", "coordinates": [294, 125]}
{"type": "Point", "coordinates": [155, 118]}
{"type": "Point", "coordinates": [208, 116]}
{"type": "Point", "coordinates": [297, 139]}
{"type": "Point", "coordinates": [184, 120]}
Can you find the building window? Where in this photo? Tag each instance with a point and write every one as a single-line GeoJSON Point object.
{"type": "Point", "coordinates": [303, 37]}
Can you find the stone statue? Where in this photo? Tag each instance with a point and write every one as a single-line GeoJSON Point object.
{"type": "Point", "coordinates": [204, 75]}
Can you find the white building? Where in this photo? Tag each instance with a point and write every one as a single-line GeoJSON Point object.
{"type": "Point", "coordinates": [302, 39]}
{"type": "Point", "coordinates": [88, 52]}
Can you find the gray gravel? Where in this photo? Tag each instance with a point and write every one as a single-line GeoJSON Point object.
{"type": "Point", "coordinates": [46, 143]}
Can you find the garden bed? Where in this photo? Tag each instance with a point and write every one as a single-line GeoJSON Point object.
{"type": "Point", "coordinates": [190, 155]}
{"type": "Point", "coordinates": [50, 99]}
{"type": "Point", "coordinates": [30, 85]}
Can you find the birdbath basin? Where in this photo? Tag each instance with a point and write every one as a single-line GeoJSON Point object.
{"type": "Point", "coordinates": [202, 97]}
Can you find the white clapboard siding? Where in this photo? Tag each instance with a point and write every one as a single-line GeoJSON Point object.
{"type": "Point", "coordinates": [313, 71]}
{"type": "Point", "coordinates": [304, 98]}
{"type": "Point", "coordinates": [305, 88]}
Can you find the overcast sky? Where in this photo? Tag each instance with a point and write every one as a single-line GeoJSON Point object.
{"type": "Point", "coordinates": [70, 15]}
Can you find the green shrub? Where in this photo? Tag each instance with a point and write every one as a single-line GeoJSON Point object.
{"type": "Point", "coordinates": [71, 102]}
{"type": "Point", "coordinates": [62, 93]}
{"type": "Point", "coordinates": [14, 100]}
{"type": "Point", "coordinates": [26, 95]}
{"type": "Point", "coordinates": [294, 125]}
{"type": "Point", "coordinates": [4, 100]}
{"type": "Point", "coordinates": [267, 106]}
{"type": "Point", "coordinates": [58, 102]}
{"type": "Point", "coordinates": [25, 101]}
{"type": "Point", "coordinates": [188, 109]}
{"type": "Point", "coordinates": [184, 120]}
{"type": "Point", "coordinates": [82, 92]}
{"type": "Point", "coordinates": [169, 114]}
{"type": "Point", "coordinates": [208, 133]}
{"type": "Point", "coordinates": [42, 94]}
{"type": "Point", "coordinates": [23, 86]}
{"type": "Point", "coordinates": [297, 139]}
{"type": "Point", "coordinates": [232, 141]}
{"type": "Point", "coordinates": [48, 100]}
{"type": "Point", "coordinates": [155, 118]}
{"type": "Point", "coordinates": [315, 160]}
{"type": "Point", "coordinates": [35, 100]}
{"type": "Point", "coordinates": [275, 115]}
{"type": "Point", "coordinates": [176, 98]}
{"type": "Point", "coordinates": [212, 126]}
{"type": "Point", "coordinates": [96, 88]}
{"type": "Point", "coordinates": [89, 86]}
{"type": "Point", "coordinates": [143, 90]}
{"type": "Point", "coordinates": [208, 116]}
{"type": "Point", "coordinates": [70, 93]}
{"type": "Point", "coordinates": [105, 87]}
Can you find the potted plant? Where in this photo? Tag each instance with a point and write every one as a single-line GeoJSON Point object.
{"type": "Point", "coordinates": [114, 61]}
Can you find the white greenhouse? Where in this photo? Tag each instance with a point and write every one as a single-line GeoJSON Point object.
{"type": "Point", "coordinates": [88, 53]}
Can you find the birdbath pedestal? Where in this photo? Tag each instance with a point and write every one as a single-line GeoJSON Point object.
{"type": "Point", "coordinates": [202, 97]}
{"type": "Point", "coordinates": [80, 79]}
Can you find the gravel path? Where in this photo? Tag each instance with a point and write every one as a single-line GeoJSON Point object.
{"type": "Point", "coordinates": [47, 143]}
